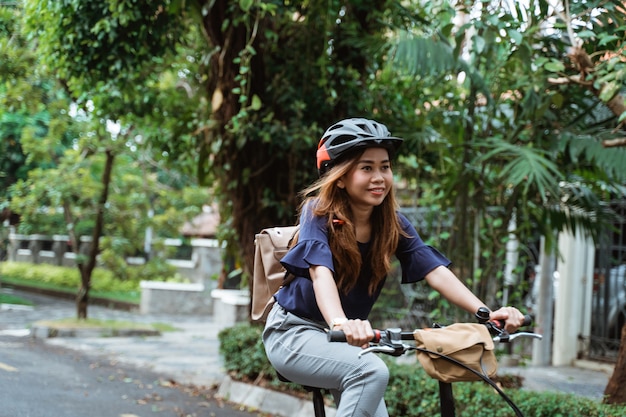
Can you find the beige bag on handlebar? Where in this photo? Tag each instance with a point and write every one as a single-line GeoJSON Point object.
{"type": "Point", "coordinates": [446, 353]}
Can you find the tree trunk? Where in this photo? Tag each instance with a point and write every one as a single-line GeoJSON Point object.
{"type": "Point", "coordinates": [461, 246]}
{"type": "Point", "coordinates": [86, 267]}
{"type": "Point", "coordinates": [615, 392]}
{"type": "Point", "coordinates": [251, 167]}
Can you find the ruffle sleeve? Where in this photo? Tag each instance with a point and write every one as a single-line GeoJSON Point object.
{"type": "Point", "coordinates": [416, 258]}
{"type": "Point", "coordinates": [418, 263]}
{"type": "Point", "coordinates": [305, 254]}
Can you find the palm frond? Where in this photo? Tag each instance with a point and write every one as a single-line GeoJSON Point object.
{"type": "Point", "coordinates": [524, 166]}
{"type": "Point", "coordinates": [578, 209]}
{"type": "Point", "coordinates": [432, 56]}
{"type": "Point", "coordinates": [588, 149]}
{"type": "Point", "coordinates": [423, 56]}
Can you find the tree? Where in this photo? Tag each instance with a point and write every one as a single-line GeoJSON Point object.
{"type": "Point", "coordinates": [28, 100]}
{"type": "Point", "coordinates": [270, 76]}
{"type": "Point", "coordinates": [614, 391]}
{"type": "Point", "coordinates": [492, 127]}
{"type": "Point", "coordinates": [283, 73]}
{"type": "Point", "coordinates": [110, 72]}
{"type": "Point", "coordinates": [516, 128]}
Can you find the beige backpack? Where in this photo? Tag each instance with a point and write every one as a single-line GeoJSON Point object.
{"type": "Point", "coordinates": [270, 245]}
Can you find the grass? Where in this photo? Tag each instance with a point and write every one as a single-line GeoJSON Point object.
{"type": "Point", "coordinates": [89, 323]}
{"type": "Point", "coordinates": [12, 299]}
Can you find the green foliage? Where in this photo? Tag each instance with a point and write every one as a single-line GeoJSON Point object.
{"type": "Point", "coordinates": [239, 92]}
{"type": "Point", "coordinates": [411, 393]}
{"type": "Point", "coordinates": [245, 359]}
{"type": "Point", "coordinates": [65, 277]}
{"type": "Point", "coordinates": [115, 88]}
{"type": "Point", "coordinates": [12, 299]}
{"type": "Point", "coordinates": [494, 128]}
{"type": "Point", "coordinates": [103, 280]}
{"type": "Point", "coordinates": [244, 354]}
{"type": "Point", "coordinates": [29, 100]}
{"type": "Point", "coordinates": [48, 196]}
{"type": "Point", "coordinates": [105, 50]}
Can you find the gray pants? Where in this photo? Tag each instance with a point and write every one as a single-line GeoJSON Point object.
{"type": "Point", "coordinates": [298, 349]}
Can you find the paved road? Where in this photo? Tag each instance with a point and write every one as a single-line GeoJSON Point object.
{"type": "Point", "coordinates": [190, 354]}
{"type": "Point", "coordinates": [41, 380]}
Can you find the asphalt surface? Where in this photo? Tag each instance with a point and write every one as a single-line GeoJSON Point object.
{"type": "Point", "coordinates": [39, 380]}
{"type": "Point", "coordinates": [190, 355]}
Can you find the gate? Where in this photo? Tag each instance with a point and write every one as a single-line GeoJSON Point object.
{"type": "Point", "coordinates": [609, 291]}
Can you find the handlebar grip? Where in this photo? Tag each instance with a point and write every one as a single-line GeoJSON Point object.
{"type": "Point", "coordinates": [340, 336]}
{"type": "Point", "coordinates": [528, 320]}
{"type": "Point", "coordinates": [336, 336]}
{"type": "Point", "coordinates": [482, 315]}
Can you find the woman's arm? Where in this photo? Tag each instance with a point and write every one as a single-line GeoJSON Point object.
{"type": "Point", "coordinates": [448, 285]}
{"type": "Point", "coordinates": [326, 293]}
{"type": "Point", "coordinates": [358, 332]}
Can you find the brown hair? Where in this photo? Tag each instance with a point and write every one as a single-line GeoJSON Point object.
{"type": "Point", "coordinates": [334, 203]}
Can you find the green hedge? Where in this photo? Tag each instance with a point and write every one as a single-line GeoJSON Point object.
{"type": "Point", "coordinates": [65, 277]}
{"type": "Point", "coordinates": [245, 359]}
{"type": "Point", "coordinates": [411, 393]}
{"type": "Point", "coordinates": [104, 282]}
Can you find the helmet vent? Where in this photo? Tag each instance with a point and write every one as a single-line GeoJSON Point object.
{"type": "Point", "coordinates": [365, 129]}
{"type": "Point", "coordinates": [338, 140]}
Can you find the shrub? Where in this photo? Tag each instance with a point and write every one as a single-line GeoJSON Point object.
{"type": "Point", "coordinates": [62, 276]}
{"type": "Point", "coordinates": [244, 355]}
{"type": "Point", "coordinates": [245, 359]}
{"type": "Point", "coordinates": [69, 278]}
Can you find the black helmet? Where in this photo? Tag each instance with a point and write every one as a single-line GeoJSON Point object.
{"type": "Point", "coordinates": [350, 134]}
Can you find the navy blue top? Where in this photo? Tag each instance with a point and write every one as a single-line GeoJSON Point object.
{"type": "Point", "coordinates": [416, 259]}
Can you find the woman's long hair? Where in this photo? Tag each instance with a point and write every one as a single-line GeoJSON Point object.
{"type": "Point", "coordinates": [334, 203]}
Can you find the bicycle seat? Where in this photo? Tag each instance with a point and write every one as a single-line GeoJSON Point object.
{"type": "Point", "coordinates": [306, 387]}
{"type": "Point", "coordinates": [318, 396]}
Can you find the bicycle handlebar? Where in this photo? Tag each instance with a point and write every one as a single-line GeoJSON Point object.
{"type": "Point", "coordinates": [340, 336]}
{"type": "Point", "coordinates": [390, 342]}
{"type": "Point", "coordinates": [496, 329]}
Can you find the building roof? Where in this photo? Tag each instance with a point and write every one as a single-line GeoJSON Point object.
{"type": "Point", "coordinates": [203, 225]}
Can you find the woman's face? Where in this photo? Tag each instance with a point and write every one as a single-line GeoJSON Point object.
{"type": "Point", "coordinates": [368, 182]}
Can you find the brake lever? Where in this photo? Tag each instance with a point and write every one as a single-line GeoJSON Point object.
{"type": "Point", "coordinates": [378, 349]}
{"type": "Point", "coordinates": [510, 337]}
{"type": "Point", "coordinates": [393, 349]}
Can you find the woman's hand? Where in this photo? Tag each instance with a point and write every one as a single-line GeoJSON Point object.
{"type": "Point", "coordinates": [512, 317]}
{"type": "Point", "coordinates": [358, 332]}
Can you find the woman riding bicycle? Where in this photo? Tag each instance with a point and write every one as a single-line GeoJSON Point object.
{"type": "Point", "coordinates": [350, 229]}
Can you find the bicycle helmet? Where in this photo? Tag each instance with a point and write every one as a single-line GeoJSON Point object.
{"type": "Point", "coordinates": [347, 135]}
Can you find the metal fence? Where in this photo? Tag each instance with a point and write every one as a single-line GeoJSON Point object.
{"type": "Point", "coordinates": [609, 291]}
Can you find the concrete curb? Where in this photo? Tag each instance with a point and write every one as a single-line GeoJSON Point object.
{"type": "Point", "coordinates": [40, 331]}
{"type": "Point", "coordinates": [267, 400]}
{"type": "Point", "coordinates": [607, 368]}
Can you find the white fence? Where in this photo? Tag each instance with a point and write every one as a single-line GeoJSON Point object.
{"type": "Point", "coordinates": [203, 264]}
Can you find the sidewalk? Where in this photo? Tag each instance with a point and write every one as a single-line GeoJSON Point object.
{"type": "Point", "coordinates": [191, 355]}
